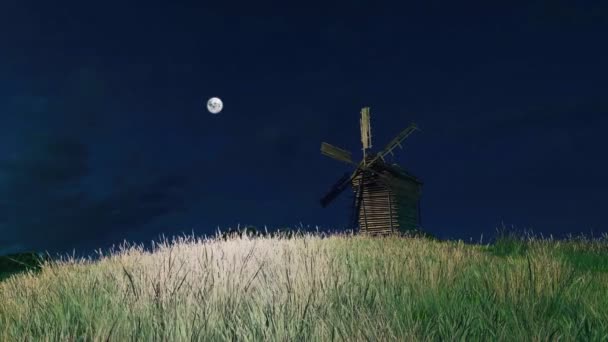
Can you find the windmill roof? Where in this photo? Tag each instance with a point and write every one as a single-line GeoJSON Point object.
{"type": "Point", "coordinates": [398, 171]}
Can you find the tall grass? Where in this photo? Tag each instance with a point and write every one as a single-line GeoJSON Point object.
{"type": "Point", "coordinates": [351, 288]}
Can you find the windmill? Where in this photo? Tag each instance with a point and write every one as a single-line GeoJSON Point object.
{"type": "Point", "coordinates": [387, 197]}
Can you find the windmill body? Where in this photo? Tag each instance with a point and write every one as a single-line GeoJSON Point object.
{"type": "Point", "coordinates": [386, 196]}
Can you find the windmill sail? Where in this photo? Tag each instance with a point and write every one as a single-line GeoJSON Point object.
{"type": "Point", "coordinates": [366, 132]}
{"type": "Point", "coordinates": [336, 190]}
{"type": "Point", "coordinates": [336, 153]}
{"type": "Point", "coordinates": [398, 139]}
{"type": "Point", "coordinates": [395, 142]}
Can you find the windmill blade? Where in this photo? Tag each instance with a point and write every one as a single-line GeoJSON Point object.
{"type": "Point", "coordinates": [336, 153]}
{"type": "Point", "coordinates": [396, 142]}
{"type": "Point", "coordinates": [366, 129]}
{"type": "Point", "coordinates": [341, 185]}
{"type": "Point", "coordinates": [336, 190]}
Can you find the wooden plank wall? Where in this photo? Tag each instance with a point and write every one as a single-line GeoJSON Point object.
{"type": "Point", "coordinates": [407, 194]}
{"type": "Point", "coordinates": [377, 214]}
{"type": "Point", "coordinates": [387, 209]}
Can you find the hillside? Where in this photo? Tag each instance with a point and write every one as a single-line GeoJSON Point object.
{"type": "Point", "coordinates": [320, 289]}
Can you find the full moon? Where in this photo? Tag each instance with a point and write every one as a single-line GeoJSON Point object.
{"type": "Point", "coordinates": [215, 105]}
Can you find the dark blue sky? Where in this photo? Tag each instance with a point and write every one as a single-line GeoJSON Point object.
{"type": "Point", "coordinates": [103, 134]}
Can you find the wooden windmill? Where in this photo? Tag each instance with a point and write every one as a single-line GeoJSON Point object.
{"type": "Point", "coordinates": [387, 197]}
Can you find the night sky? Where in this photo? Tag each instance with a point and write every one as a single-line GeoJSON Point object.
{"type": "Point", "coordinates": [104, 135]}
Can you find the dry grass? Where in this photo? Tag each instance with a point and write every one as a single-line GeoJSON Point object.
{"type": "Point", "coordinates": [338, 288]}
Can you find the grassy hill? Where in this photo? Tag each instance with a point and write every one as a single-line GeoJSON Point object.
{"type": "Point", "coordinates": [350, 288]}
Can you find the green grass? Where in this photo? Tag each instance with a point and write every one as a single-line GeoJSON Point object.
{"type": "Point", "coordinates": [347, 288]}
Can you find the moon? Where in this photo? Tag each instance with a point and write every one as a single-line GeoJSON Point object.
{"type": "Point", "coordinates": [215, 105]}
